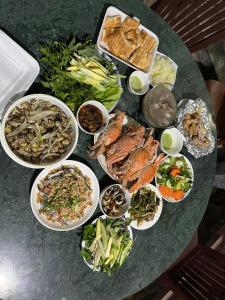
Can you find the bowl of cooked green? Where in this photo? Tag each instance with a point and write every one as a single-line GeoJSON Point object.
{"type": "Point", "coordinates": [145, 207]}
{"type": "Point", "coordinates": [39, 130]}
{"type": "Point", "coordinates": [64, 196]}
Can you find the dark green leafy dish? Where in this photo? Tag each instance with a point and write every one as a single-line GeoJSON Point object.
{"type": "Point", "coordinates": [144, 205]}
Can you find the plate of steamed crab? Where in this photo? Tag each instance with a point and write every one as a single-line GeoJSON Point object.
{"type": "Point", "coordinates": [127, 152]}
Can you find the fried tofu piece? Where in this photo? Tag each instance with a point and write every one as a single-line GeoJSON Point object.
{"type": "Point", "coordinates": [128, 42]}
{"type": "Point", "coordinates": [147, 41]}
{"type": "Point", "coordinates": [112, 22]}
{"type": "Point", "coordinates": [126, 49]}
{"type": "Point", "coordinates": [119, 45]}
{"type": "Point", "coordinates": [142, 55]}
{"type": "Point", "coordinates": [139, 37]}
{"type": "Point", "coordinates": [129, 24]}
{"type": "Point", "coordinates": [107, 32]}
{"type": "Point", "coordinates": [140, 58]}
{"type": "Point", "coordinates": [115, 41]}
{"type": "Point", "coordinates": [131, 35]}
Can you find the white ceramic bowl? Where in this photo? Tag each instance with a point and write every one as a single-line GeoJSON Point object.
{"type": "Point", "coordinates": [54, 101]}
{"type": "Point", "coordinates": [146, 225]}
{"type": "Point", "coordinates": [87, 213]}
{"type": "Point", "coordinates": [191, 171]}
{"type": "Point", "coordinates": [83, 244]}
{"type": "Point", "coordinates": [143, 78]}
{"type": "Point", "coordinates": [127, 196]}
{"type": "Point", "coordinates": [104, 112]}
{"type": "Point", "coordinates": [178, 141]}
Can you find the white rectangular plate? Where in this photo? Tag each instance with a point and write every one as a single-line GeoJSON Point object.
{"type": "Point", "coordinates": [113, 11]}
{"type": "Point", "coordinates": [18, 70]}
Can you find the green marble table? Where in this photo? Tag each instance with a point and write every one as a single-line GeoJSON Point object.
{"type": "Point", "coordinates": [37, 263]}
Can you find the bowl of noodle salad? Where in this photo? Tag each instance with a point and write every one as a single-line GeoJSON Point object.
{"type": "Point", "coordinates": [65, 195]}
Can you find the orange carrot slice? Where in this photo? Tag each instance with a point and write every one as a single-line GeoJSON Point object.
{"type": "Point", "coordinates": [165, 191]}
{"type": "Point", "coordinates": [178, 195]}
{"type": "Point", "coordinates": [174, 172]}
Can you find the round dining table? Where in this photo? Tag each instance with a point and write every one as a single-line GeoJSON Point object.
{"type": "Point", "coordinates": [38, 263]}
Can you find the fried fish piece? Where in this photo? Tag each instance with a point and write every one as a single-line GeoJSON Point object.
{"type": "Point", "coordinates": [129, 24]}
{"type": "Point", "coordinates": [112, 22]}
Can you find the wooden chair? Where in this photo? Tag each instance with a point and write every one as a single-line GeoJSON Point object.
{"type": "Point", "coordinates": [200, 274]}
{"type": "Point", "coordinates": [199, 23]}
{"type": "Point", "coordinates": [217, 93]}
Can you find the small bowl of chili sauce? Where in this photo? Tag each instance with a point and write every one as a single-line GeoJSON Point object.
{"type": "Point", "coordinates": [92, 117]}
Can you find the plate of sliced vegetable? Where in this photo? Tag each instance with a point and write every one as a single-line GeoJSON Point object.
{"type": "Point", "coordinates": [145, 208]}
{"type": "Point", "coordinates": [106, 243]}
{"type": "Point", "coordinates": [76, 72]}
{"type": "Point", "coordinates": [174, 178]}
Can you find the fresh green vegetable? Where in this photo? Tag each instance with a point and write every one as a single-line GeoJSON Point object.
{"type": "Point", "coordinates": [76, 72]}
{"type": "Point", "coordinates": [167, 140]}
{"type": "Point", "coordinates": [183, 178]}
{"type": "Point", "coordinates": [144, 205]}
{"type": "Point", "coordinates": [107, 244]}
{"type": "Point", "coordinates": [136, 83]}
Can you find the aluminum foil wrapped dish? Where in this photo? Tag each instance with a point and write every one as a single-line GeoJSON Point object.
{"type": "Point", "coordinates": [195, 123]}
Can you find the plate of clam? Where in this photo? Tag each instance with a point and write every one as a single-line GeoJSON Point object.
{"type": "Point", "coordinates": [127, 152]}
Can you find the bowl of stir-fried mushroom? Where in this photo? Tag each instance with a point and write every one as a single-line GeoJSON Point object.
{"type": "Point", "coordinates": [39, 130]}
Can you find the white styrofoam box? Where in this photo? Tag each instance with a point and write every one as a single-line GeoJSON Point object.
{"type": "Point", "coordinates": [18, 70]}
{"type": "Point", "coordinates": [113, 11]}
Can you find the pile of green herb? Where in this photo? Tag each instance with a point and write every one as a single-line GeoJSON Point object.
{"type": "Point", "coordinates": [106, 244]}
{"type": "Point", "coordinates": [71, 87]}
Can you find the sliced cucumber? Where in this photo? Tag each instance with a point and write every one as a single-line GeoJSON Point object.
{"type": "Point", "coordinates": [161, 181]}
{"type": "Point", "coordinates": [167, 160]}
{"type": "Point", "coordinates": [169, 184]}
{"type": "Point", "coordinates": [159, 176]}
{"type": "Point", "coordinates": [179, 163]}
{"type": "Point", "coordinates": [172, 161]}
{"type": "Point", "coordinates": [164, 168]}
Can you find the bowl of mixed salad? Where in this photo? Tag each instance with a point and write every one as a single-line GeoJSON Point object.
{"type": "Point", "coordinates": [106, 244]}
{"type": "Point", "coordinates": [174, 178]}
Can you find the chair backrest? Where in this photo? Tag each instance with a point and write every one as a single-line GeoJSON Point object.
{"type": "Point", "coordinates": [201, 275]}
{"type": "Point", "coordinates": [199, 23]}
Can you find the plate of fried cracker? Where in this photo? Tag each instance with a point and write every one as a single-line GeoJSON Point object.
{"type": "Point", "coordinates": [124, 38]}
